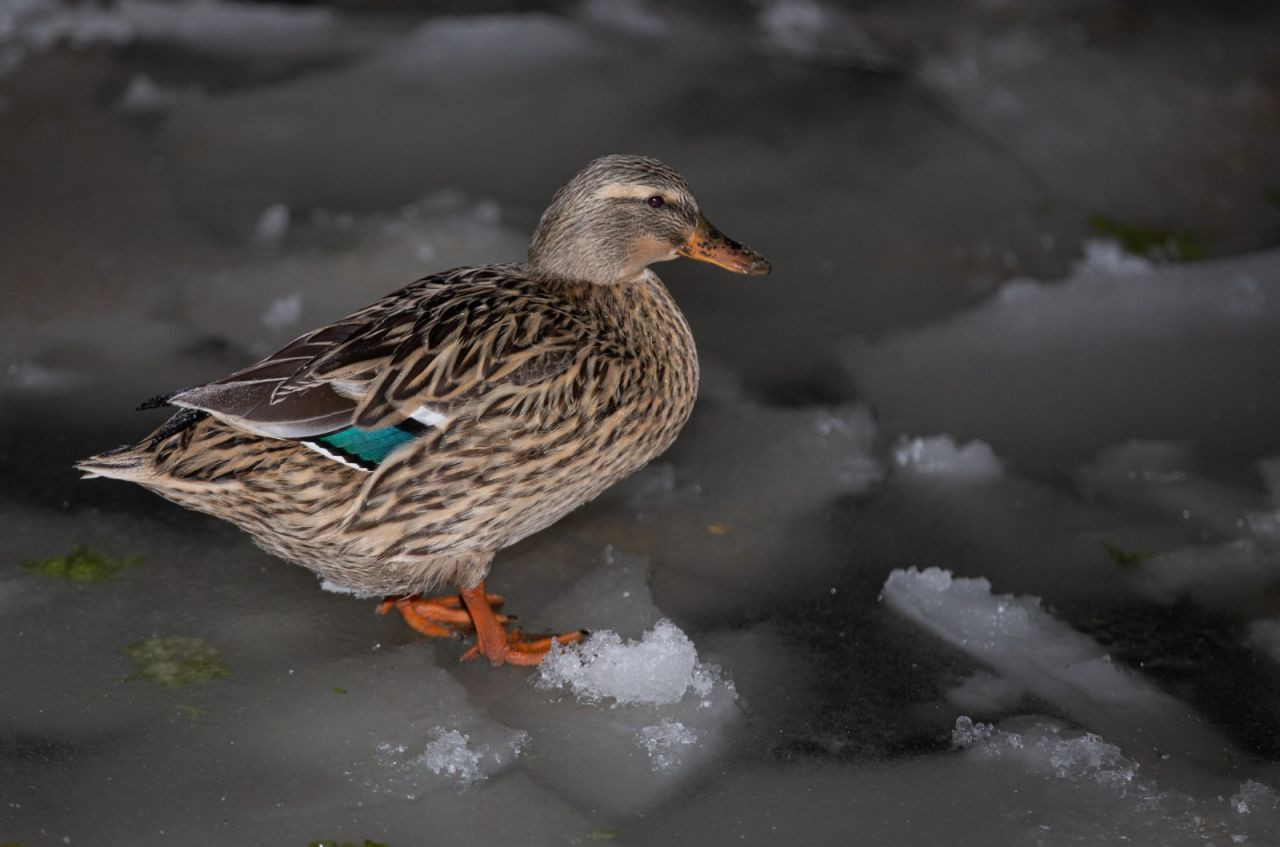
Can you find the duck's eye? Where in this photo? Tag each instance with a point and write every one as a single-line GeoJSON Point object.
{"type": "Point", "coordinates": [656, 201]}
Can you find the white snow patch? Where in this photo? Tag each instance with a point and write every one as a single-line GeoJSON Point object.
{"type": "Point", "coordinates": [36, 26]}
{"type": "Point", "coordinates": [450, 754]}
{"type": "Point", "coordinates": [283, 312]}
{"type": "Point", "coordinates": [663, 743]}
{"type": "Point", "coordinates": [144, 96]}
{"type": "Point", "coordinates": [36, 376]}
{"type": "Point", "coordinates": [1208, 573]}
{"type": "Point", "coordinates": [1046, 748]}
{"type": "Point", "coordinates": [659, 668]}
{"type": "Point", "coordinates": [1104, 257]}
{"type": "Point", "coordinates": [804, 29]}
{"type": "Point", "coordinates": [984, 370]}
{"type": "Point", "coordinates": [272, 224]}
{"type": "Point", "coordinates": [941, 455]}
{"type": "Point", "coordinates": [1144, 461]}
{"type": "Point", "coordinates": [1023, 643]}
{"type": "Point", "coordinates": [632, 16]}
{"type": "Point", "coordinates": [1254, 798]}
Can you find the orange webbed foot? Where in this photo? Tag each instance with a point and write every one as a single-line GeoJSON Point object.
{"type": "Point", "coordinates": [521, 649]}
{"type": "Point", "coordinates": [474, 610]}
{"type": "Point", "coordinates": [439, 617]}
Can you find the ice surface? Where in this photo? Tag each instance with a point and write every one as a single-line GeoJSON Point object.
{"type": "Point", "coordinates": [939, 455]}
{"type": "Point", "coordinates": [936, 271]}
{"type": "Point", "coordinates": [1265, 636]}
{"type": "Point", "coordinates": [1025, 644]}
{"type": "Point", "coordinates": [1024, 371]}
{"type": "Point", "coordinates": [661, 667]}
{"type": "Point", "coordinates": [984, 693]}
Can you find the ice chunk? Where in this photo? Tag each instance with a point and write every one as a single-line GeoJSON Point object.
{"type": "Point", "coordinates": [1023, 643]}
{"type": "Point", "coordinates": [212, 25]}
{"type": "Point", "coordinates": [966, 732]}
{"type": "Point", "coordinates": [633, 16]}
{"type": "Point", "coordinates": [1106, 338]}
{"type": "Point", "coordinates": [940, 455]}
{"type": "Point", "coordinates": [272, 224]}
{"type": "Point", "coordinates": [1102, 256]}
{"type": "Point", "coordinates": [1212, 573]}
{"type": "Point", "coordinates": [451, 754]}
{"type": "Point", "coordinates": [1254, 798]}
{"type": "Point", "coordinates": [805, 29]}
{"type": "Point", "coordinates": [143, 96]}
{"type": "Point", "coordinates": [663, 742]}
{"type": "Point", "coordinates": [1160, 476]}
{"type": "Point", "coordinates": [1046, 748]}
{"type": "Point", "coordinates": [283, 312]}
{"type": "Point", "coordinates": [661, 667]}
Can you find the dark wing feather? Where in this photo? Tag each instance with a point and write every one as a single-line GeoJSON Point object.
{"type": "Point", "coordinates": [445, 341]}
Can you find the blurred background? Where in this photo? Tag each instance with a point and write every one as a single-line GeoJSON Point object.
{"type": "Point", "coordinates": [1022, 326]}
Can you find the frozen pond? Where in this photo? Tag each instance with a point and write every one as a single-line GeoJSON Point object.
{"type": "Point", "coordinates": [973, 538]}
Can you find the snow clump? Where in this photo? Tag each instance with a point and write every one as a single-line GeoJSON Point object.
{"type": "Point", "coordinates": [941, 455]}
{"type": "Point", "coordinates": [663, 742]}
{"type": "Point", "coordinates": [658, 669]}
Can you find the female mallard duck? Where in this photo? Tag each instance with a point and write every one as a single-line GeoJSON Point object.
{"type": "Point", "coordinates": [402, 446]}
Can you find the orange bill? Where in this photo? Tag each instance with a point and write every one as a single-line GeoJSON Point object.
{"type": "Point", "coordinates": [708, 244]}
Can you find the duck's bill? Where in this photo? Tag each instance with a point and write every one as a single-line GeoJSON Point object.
{"type": "Point", "coordinates": [708, 244]}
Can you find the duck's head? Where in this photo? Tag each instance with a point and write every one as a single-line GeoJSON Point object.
{"type": "Point", "coordinates": [621, 214]}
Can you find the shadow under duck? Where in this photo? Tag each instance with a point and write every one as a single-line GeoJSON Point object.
{"type": "Point", "coordinates": [402, 446]}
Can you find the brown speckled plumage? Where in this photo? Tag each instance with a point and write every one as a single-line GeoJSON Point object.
{"type": "Point", "coordinates": [531, 388]}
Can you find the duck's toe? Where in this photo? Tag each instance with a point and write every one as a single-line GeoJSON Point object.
{"type": "Point", "coordinates": [439, 616]}
{"type": "Point", "coordinates": [521, 649]}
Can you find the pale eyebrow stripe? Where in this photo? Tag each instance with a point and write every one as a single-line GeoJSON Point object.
{"type": "Point", "coordinates": [628, 191]}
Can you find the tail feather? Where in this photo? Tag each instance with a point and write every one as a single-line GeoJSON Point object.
{"type": "Point", "coordinates": [125, 462]}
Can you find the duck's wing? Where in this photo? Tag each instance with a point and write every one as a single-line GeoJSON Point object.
{"type": "Point", "coordinates": [457, 339]}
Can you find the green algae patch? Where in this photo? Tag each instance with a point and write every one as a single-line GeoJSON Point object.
{"type": "Point", "coordinates": [1126, 560]}
{"type": "Point", "coordinates": [81, 565]}
{"type": "Point", "coordinates": [1152, 242]}
{"type": "Point", "coordinates": [366, 843]}
{"type": "Point", "coordinates": [190, 712]}
{"type": "Point", "coordinates": [176, 661]}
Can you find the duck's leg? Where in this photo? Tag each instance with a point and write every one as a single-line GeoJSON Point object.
{"type": "Point", "coordinates": [439, 616]}
{"type": "Point", "coordinates": [499, 646]}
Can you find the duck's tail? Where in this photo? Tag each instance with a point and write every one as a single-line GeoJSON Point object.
{"type": "Point", "coordinates": [137, 462]}
{"type": "Point", "coordinates": [130, 462]}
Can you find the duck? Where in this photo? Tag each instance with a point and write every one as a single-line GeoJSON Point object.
{"type": "Point", "coordinates": [399, 448]}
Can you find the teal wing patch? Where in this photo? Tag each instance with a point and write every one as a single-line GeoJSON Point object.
{"type": "Point", "coordinates": [365, 448]}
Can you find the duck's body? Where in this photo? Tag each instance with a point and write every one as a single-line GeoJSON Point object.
{"type": "Point", "coordinates": [402, 446]}
{"type": "Point", "coordinates": [589, 383]}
